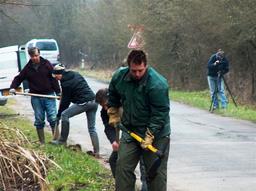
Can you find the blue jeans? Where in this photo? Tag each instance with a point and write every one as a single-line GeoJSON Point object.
{"type": "Point", "coordinates": [90, 109]}
{"type": "Point", "coordinates": [217, 91]}
{"type": "Point", "coordinates": [42, 106]}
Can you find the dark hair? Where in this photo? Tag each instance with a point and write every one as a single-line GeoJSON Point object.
{"type": "Point", "coordinates": [101, 95]}
{"type": "Point", "coordinates": [137, 57]}
{"type": "Point", "coordinates": [32, 51]}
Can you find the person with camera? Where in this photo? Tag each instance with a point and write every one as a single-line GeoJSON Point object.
{"type": "Point", "coordinates": [218, 65]}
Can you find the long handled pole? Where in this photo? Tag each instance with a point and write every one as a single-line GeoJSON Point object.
{"type": "Point", "coordinates": [38, 95]}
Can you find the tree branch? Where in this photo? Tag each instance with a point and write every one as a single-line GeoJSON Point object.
{"type": "Point", "coordinates": [3, 13]}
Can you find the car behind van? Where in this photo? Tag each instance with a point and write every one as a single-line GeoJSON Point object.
{"type": "Point", "coordinates": [49, 49]}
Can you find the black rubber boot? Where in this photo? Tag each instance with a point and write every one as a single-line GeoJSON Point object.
{"type": "Point", "coordinates": [53, 128]}
{"type": "Point", "coordinates": [55, 125]}
{"type": "Point", "coordinates": [64, 131]}
{"type": "Point", "coordinates": [95, 144]}
{"type": "Point", "coordinates": [40, 133]}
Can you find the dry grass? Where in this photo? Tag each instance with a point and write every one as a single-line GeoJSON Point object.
{"type": "Point", "coordinates": [21, 168]}
{"type": "Point", "coordinates": [100, 74]}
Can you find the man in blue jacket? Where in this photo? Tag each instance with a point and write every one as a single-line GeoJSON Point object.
{"type": "Point", "coordinates": [75, 90]}
{"type": "Point", "coordinates": [218, 65]}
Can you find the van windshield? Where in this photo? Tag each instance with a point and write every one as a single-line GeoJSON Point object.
{"type": "Point", "coordinates": [49, 46]}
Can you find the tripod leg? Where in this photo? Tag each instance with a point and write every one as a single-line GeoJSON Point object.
{"type": "Point", "coordinates": [229, 90]}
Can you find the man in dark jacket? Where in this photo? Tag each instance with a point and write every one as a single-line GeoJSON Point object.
{"type": "Point", "coordinates": [101, 98]}
{"type": "Point", "coordinates": [38, 73]}
{"type": "Point", "coordinates": [143, 94]}
{"type": "Point", "coordinates": [75, 90]}
{"type": "Point", "coordinates": [218, 65]}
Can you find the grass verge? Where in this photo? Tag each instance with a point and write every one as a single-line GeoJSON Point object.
{"type": "Point", "coordinates": [103, 75]}
{"type": "Point", "coordinates": [201, 99]}
{"type": "Point", "coordinates": [78, 170]}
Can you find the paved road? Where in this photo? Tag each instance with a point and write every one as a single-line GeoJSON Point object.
{"type": "Point", "coordinates": [211, 153]}
{"type": "Point", "coordinates": [208, 152]}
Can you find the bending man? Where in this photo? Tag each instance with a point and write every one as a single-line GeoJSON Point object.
{"type": "Point", "coordinates": [75, 90]}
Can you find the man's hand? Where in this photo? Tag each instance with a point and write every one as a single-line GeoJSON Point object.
{"type": "Point", "coordinates": [115, 146]}
{"type": "Point", "coordinates": [148, 140]}
{"type": "Point", "coordinates": [26, 91]}
{"type": "Point", "coordinates": [12, 91]}
{"type": "Point", "coordinates": [216, 62]}
{"type": "Point", "coordinates": [114, 116]}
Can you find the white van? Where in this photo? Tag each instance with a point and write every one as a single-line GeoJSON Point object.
{"type": "Point", "coordinates": [49, 49]}
{"type": "Point", "coordinates": [12, 60]}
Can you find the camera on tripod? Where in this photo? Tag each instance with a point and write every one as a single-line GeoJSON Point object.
{"type": "Point", "coordinates": [220, 73]}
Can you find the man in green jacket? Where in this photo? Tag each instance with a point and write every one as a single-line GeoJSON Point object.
{"type": "Point", "coordinates": [143, 93]}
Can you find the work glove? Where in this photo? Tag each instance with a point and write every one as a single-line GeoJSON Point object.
{"type": "Point", "coordinates": [12, 91]}
{"type": "Point", "coordinates": [148, 140]}
{"type": "Point", "coordinates": [114, 116]}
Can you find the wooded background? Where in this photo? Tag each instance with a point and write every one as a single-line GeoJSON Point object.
{"type": "Point", "coordinates": [180, 35]}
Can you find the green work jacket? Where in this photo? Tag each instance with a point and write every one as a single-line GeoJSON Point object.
{"type": "Point", "coordinates": [145, 102]}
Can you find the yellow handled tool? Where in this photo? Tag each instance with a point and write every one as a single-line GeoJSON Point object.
{"type": "Point", "coordinates": [152, 171]}
{"type": "Point", "coordinates": [139, 139]}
